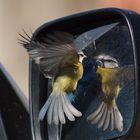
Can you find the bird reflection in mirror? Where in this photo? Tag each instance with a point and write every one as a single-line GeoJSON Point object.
{"type": "Point", "coordinates": [113, 78]}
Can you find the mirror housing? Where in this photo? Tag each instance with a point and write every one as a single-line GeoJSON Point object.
{"type": "Point", "coordinates": [76, 25]}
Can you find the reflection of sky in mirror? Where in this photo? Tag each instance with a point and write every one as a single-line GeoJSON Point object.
{"type": "Point", "coordinates": [116, 42]}
{"type": "Point", "coordinates": [89, 37]}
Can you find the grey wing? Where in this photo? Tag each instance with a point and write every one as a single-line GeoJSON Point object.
{"type": "Point", "coordinates": [49, 53]}
{"type": "Point", "coordinates": [125, 74]}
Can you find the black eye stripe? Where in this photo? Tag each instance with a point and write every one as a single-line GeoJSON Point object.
{"type": "Point", "coordinates": [108, 60]}
{"type": "Point", "coordinates": [81, 54]}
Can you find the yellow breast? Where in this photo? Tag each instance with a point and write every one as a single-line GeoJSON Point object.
{"type": "Point", "coordinates": [110, 83]}
{"type": "Point", "coordinates": [68, 78]}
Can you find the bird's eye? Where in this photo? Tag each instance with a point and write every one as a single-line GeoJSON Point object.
{"type": "Point", "coordinates": [82, 55]}
{"type": "Point", "coordinates": [99, 63]}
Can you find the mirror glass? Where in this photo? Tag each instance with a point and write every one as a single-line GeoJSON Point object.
{"type": "Point", "coordinates": [107, 87]}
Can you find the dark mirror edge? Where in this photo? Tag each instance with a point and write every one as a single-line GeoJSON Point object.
{"type": "Point", "coordinates": [127, 16]}
{"type": "Point", "coordinates": [14, 114]}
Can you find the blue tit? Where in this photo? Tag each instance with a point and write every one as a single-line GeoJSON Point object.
{"type": "Point", "coordinates": [113, 79]}
{"type": "Point", "coordinates": [57, 58]}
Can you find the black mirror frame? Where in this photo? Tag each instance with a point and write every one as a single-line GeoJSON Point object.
{"type": "Point", "coordinates": [14, 115]}
{"type": "Point", "coordinates": [72, 24]}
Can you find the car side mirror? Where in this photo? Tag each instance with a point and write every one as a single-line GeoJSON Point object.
{"type": "Point", "coordinates": [110, 40]}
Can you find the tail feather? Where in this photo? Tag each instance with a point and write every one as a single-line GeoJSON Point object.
{"type": "Point", "coordinates": [91, 116]}
{"type": "Point", "coordinates": [107, 117]}
{"type": "Point", "coordinates": [112, 119]}
{"type": "Point", "coordinates": [73, 110]}
{"type": "Point", "coordinates": [45, 108]}
{"type": "Point", "coordinates": [58, 107]}
{"type": "Point", "coordinates": [99, 115]}
{"type": "Point", "coordinates": [50, 111]}
{"type": "Point", "coordinates": [102, 120]}
{"type": "Point", "coordinates": [107, 121]}
{"type": "Point", "coordinates": [61, 113]}
{"type": "Point", "coordinates": [67, 111]}
{"type": "Point", "coordinates": [118, 119]}
{"type": "Point", "coordinates": [55, 112]}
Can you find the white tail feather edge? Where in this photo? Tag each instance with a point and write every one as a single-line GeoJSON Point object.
{"type": "Point", "coordinates": [58, 107]}
{"type": "Point", "coordinates": [107, 117]}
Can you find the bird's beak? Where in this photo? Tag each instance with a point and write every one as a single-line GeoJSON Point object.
{"type": "Point", "coordinates": [85, 56]}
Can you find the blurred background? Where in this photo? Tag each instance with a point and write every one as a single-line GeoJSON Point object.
{"type": "Point", "coordinates": [16, 15]}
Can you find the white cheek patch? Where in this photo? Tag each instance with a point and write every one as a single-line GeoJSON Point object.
{"type": "Point", "coordinates": [81, 59]}
{"type": "Point", "coordinates": [109, 61]}
{"type": "Point", "coordinates": [110, 65]}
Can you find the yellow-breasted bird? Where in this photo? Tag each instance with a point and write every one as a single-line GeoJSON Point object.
{"type": "Point", "coordinates": [58, 59]}
{"type": "Point", "coordinates": [113, 79]}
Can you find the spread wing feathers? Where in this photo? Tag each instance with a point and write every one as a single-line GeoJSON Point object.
{"type": "Point", "coordinates": [57, 107]}
{"type": "Point", "coordinates": [107, 118]}
{"type": "Point", "coordinates": [125, 74]}
{"type": "Point", "coordinates": [49, 53]}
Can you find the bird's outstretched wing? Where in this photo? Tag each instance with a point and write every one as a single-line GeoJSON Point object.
{"type": "Point", "coordinates": [49, 53]}
{"type": "Point", "coordinates": [125, 74]}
